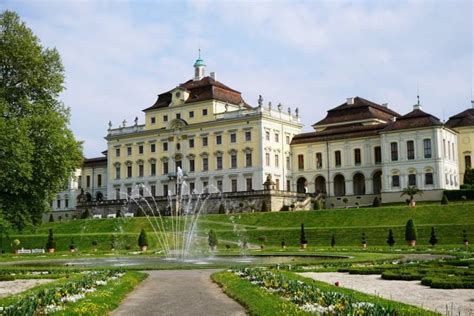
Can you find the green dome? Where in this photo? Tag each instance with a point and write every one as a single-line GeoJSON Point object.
{"type": "Point", "coordinates": [199, 62]}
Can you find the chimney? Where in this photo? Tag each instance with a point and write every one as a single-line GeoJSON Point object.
{"type": "Point", "coordinates": [213, 75]}
{"type": "Point", "coordinates": [350, 101]}
{"type": "Point", "coordinates": [385, 105]}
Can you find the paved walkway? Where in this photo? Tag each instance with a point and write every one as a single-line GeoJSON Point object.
{"type": "Point", "coordinates": [179, 292]}
{"type": "Point", "coordinates": [457, 301]}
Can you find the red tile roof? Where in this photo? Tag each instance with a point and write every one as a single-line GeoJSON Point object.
{"type": "Point", "coordinates": [201, 90]}
{"type": "Point", "coordinates": [465, 118]}
{"type": "Point", "coordinates": [414, 119]}
{"type": "Point", "coordinates": [339, 132]}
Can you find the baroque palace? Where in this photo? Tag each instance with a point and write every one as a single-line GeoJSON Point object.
{"type": "Point", "coordinates": [242, 156]}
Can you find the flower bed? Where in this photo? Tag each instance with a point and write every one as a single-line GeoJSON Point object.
{"type": "Point", "coordinates": [311, 298]}
{"type": "Point", "coordinates": [53, 298]}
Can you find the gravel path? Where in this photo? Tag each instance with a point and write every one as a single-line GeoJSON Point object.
{"type": "Point", "coordinates": [179, 292]}
{"type": "Point", "coordinates": [410, 292]}
{"type": "Point", "coordinates": [13, 287]}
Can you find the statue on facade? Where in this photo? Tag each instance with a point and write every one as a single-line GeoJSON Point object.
{"type": "Point", "coordinates": [269, 184]}
{"type": "Point", "coordinates": [226, 106]}
{"type": "Point", "coordinates": [297, 111]}
{"type": "Point", "coordinates": [110, 125]}
{"type": "Point", "coordinates": [260, 101]}
{"type": "Point", "coordinates": [289, 111]}
{"type": "Point", "coordinates": [124, 123]}
{"type": "Point", "coordinates": [279, 107]}
{"type": "Point", "coordinates": [269, 106]}
{"type": "Point", "coordinates": [136, 121]}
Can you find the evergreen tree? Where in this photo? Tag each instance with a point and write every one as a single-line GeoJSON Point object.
{"type": "Point", "coordinates": [51, 218]}
{"type": "Point", "coordinates": [264, 207]}
{"type": "Point", "coordinates": [410, 231]}
{"type": "Point", "coordinates": [433, 239]}
{"type": "Point", "coordinates": [212, 239]}
{"type": "Point", "coordinates": [469, 176]}
{"type": "Point", "coordinates": [444, 200]}
{"type": "Point", "coordinates": [118, 213]}
{"type": "Point", "coordinates": [376, 202]}
{"type": "Point", "coordinates": [72, 245]}
{"type": "Point", "coordinates": [86, 214]}
{"type": "Point", "coordinates": [50, 244]}
{"type": "Point", "coordinates": [333, 241]}
{"type": "Point", "coordinates": [221, 209]}
{"type": "Point", "coordinates": [39, 152]}
{"type": "Point", "coordinates": [390, 239]}
{"type": "Point", "coordinates": [303, 239]}
{"type": "Point", "coordinates": [364, 242]}
{"type": "Point", "coordinates": [317, 205]}
{"type": "Point", "coordinates": [143, 239]}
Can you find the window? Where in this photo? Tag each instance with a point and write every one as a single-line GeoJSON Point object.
{"type": "Point", "coordinates": [219, 162]}
{"type": "Point", "coordinates": [219, 139]}
{"type": "Point", "coordinates": [267, 135]}
{"type": "Point", "coordinates": [337, 158]}
{"type": "Point", "coordinates": [412, 179]}
{"type": "Point", "coordinates": [248, 159]}
{"type": "Point", "coordinates": [178, 146]}
{"type": "Point", "coordinates": [79, 182]}
{"type": "Point", "coordinates": [428, 178]}
{"type": "Point", "coordinates": [319, 160]}
{"type": "Point", "coordinates": [58, 203]}
{"type": "Point", "coordinates": [427, 148]}
{"type": "Point", "coordinates": [248, 136]}
{"type": "Point", "coordinates": [165, 118]}
{"type": "Point", "coordinates": [233, 138]}
{"type": "Point", "coordinates": [99, 180]}
{"type": "Point", "coordinates": [88, 181]}
{"type": "Point", "coordinates": [117, 152]}
{"type": "Point", "coordinates": [153, 190]}
{"type": "Point", "coordinates": [191, 165]}
{"type": "Point", "coordinates": [444, 148]}
{"type": "Point", "coordinates": [205, 185]}
{"type": "Point", "coordinates": [66, 202]}
{"type": "Point", "coordinates": [140, 150]}
{"type": "Point", "coordinates": [152, 148]}
{"type": "Point", "coordinates": [267, 159]}
{"type": "Point", "coordinates": [233, 185]}
{"type": "Point", "coordinates": [129, 171]}
{"type": "Point", "coordinates": [205, 164]}
{"type": "Point", "coordinates": [129, 150]}
{"type": "Point", "coordinates": [191, 143]}
{"type": "Point", "coordinates": [204, 141]}
{"type": "Point", "coordinates": [140, 170]}
{"type": "Point", "coordinates": [117, 193]}
{"type": "Point", "coordinates": [178, 116]}
{"type": "Point", "coordinates": [165, 190]}
{"type": "Point", "coordinates": [394, 151]}
{"type": "Point", "coordinates": [300, 162]}
{"type": "Point", "coordinates": [153, 120]}
{"type": "Point", "coordinates": [191, 114]}
{"type": "Point", "coordinates": [192, 187]}
{"type": "Point", "coordinates": [153, 169]}
{"type": "Point", "coordinates": [140, 191]}
{"type": "Point", "coordinates": [165, 167]}
{"type": "Point", "coordinates": [248, 183]}
{"type": "Point", "coordinates": [287, 138]}
{"type": "Point", "coordinates": [277, 138]}
{"type": "Point", "coordinates": [452, 148]}
{"type": "Point", "coordinates": [357, 158]}
{"type": "Point", "coordinates": [288, 185]}
{"type": "Point", "coordinates": [449, 149]}
{"type": "Point", "coordinates": [129, 192]}
{"type": "Point", "coordinates": [288, 163]}
{"type": "Point", "coordinates": [410, 150]}
{"type": "Point", "coordinates": [395, 181]}
{"type": "Point", "coordinates": [277, 160]}
{"type": "Point", "coordinates": [378, 154]}
{"type": "Point", "coordinates": [165, 146]}
{"type": "Point", "coordinates": [233, 161]}
{"type": "Point", "coordinates": [178, 164]}
{"type": "Point", "coordinates": [204, 112]}
{"type": "Point", "coordinates": [277, 184]}
{"type": "Point", "coordinates": [117, 172]}
{"type": "Point", "coordinates": [467, 161]}
{"type": "Point", "coordinates": [219, 185]}
{"type": "Point", "coordinates": [447, 178]}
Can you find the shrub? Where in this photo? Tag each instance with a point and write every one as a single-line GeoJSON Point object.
{"type": "Point", "coordinates": [453, 195]}
{"type": "Point", "coordinates": [390, 239]}
{"type": "Point", "coordinates": [221, 209]}
{"type": "Point", "coordinates": [212, 239]}
{"type": "Point", "coordinates": [283, 243]}
{"type": "Point", "coordinates": [51, 218]}
{"type": "Point", "coordinates": [143, 239]}
{"type": "Point", "coordinates": [317, 205]}
{"type": "Point", "coordinates": [113, 242]}
{"type": "Point", "coordinates": [141, 213]}
{"type": "Point", "coordinates": [433, 239]}
{"type": "Point", "coordinates": [262, 240]}
{"type": "Point", "coordinates": [333, 241]}
{"type": "Point", "coordinates": [50, 244]}
{"type": "Point", "coordinates": [469, 176]}
{"type": "Point", "coordinates": [72, 246]}
{"type": "Point", "coordinates": [410, 230]}
{"type": "Point", "coordinates": [464, 236]}
{"type": "Point", "coordinates": [284, 208]}
{"type": "Point", "coordinates": [118, 214]}
{"type": "Point", "coordinates": [345, 200]}
{"type": "Point", "coordinates": [86, 214]}
{"type": "Point", "coordinates": [364, 242]}
{"type": "Point", "coordinates": [303, 239]}
{"type": "Point", "coordinates": [444, 200]}
{"type": "Point", "coordinates": [264, 207]}
{"type": "Point", "coordinates": [94, 243]}
{"type": "Point", "coordinates": [376, 202]}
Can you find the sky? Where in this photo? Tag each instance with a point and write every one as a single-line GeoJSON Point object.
{"type": "Point", "coordinates": [119, 55]}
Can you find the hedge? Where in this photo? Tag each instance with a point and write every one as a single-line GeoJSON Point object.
{"type": "Point", "coordinates": [458, 194]}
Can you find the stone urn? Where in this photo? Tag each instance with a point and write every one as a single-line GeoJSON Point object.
{"type": "Point", "coordinates": [411, 243]}
{"type": "Point", "coordinates": [143, 248]}
{"type": "Point", "coordinates": [466, 243]}
{"type": "Point", "coordinates": [51, 250]}
{"type": "Point", "coordinates": [364, 245]}
{"type": "Point", "coordinates": [303, 246]}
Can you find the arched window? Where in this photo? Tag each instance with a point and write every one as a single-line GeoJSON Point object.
{"type": "Point", "coordinates": [412, 179]}
{"type": "Point", "coordinates": [301, 185]}
{"type": "Point", "coordinates": [339, 185]}
{"type": "Point", "coordinates": [377, 182]}
{"type": "Point", "coordinates": [359, 184]}
{"type": "Point", "coordinates": [320, 184]}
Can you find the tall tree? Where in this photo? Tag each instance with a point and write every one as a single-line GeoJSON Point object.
{"type": "Point", "coordinates": [38, 152]}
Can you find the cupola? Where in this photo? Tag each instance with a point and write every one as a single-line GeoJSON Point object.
{"type": "Point", "coordinates": [199, 68]}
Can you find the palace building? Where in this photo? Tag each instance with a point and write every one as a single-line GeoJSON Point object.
{"type": "Point", "coordinates": [256, 154]}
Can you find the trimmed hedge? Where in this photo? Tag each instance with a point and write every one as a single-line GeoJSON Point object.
{"type": "Point", "coordinates": [458, 194]}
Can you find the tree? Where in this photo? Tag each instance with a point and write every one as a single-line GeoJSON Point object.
{"type": "Point", "coordinates": [444, 200]}
{"type": "Point", "coordinates": [264, 207]}
{"type": "Point", "coordinates": [118, 213]}
{"type": "Point", "coordinates": [142, 239]}
{"type": "Point", "coordinates": [464, 237]}
{"type": "Point", "coordinates": [469, 176]}
{"type": "Point", "coordinates": [317, 205]}
{"type": "Point", "coordinates": [410, 232]}
{"type": "Point", "coordinates": [51, 218]}
{"type": "Point", "coordinates": [376, 202]}
{"type": "Point", "coordinates": [283, 243]}
{"type": "Point", "coordinates": [50, 244]}
{"type": "Point", "coordinates": [212, 239]}
{"type": "Point", "coordinates": [86, 214]}
{"type": "Point", "coordinates": [411, 191]}
{"type": "Point", "coordinates": [433, 239]}
{"type": "Point", "coordinates": [39, 152]}
{"type": "Point", "coordinates": [72, 245]}
{"type": "Point", "coordinates": [390, 239]}
{"type": "Point", "coordinates": [303, 240]}
{"type": "Point", "coordinates": [364, 242]}
{"type": "Point", "coordinates": [221, 209]}
{"type": "Point", "coordinates": [333, 241]}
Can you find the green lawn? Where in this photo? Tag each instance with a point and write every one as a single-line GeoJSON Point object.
{"type": "Point", "coordinates": [347, 225]}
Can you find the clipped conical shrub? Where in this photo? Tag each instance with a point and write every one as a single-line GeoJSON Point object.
{"type": "Point", "coordinates": [51, 244]}
{"type": "Point", "coordinates": [390, 239]}
{"type": "Point", "coordinates": [410, 232]}
{"type": "Point", "coordinates": [433, 239]}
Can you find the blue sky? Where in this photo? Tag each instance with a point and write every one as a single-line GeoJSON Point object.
{"type": "Point", "coordinates": [119, 55]}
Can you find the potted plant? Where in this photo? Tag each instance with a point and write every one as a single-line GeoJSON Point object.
{"type": "Point", "coordinates": [303, 240]}
{"type": "Point", "coordinates": [212, 240]}
{"type": "Point", "coordinates": [411, 191]}
{"type": "Point", "coordinates": [364, 242]}
{"type": "Point", "coordinates": [390, 239]}
{"type": "Point", "coordinates": [262, 240]}
{"type": "Point", "coordinates": [283, 243]}
{"type": "Point", "coordinates": [143, 240]}
{"type": "Point", "coordinates": [94, 245]}
{"type": "Point", "coordinates": [464, 238]}
{"type": "Point", "coordinates": [51, 244]}
{"type": "Point", "coordinates": [72, 246]}
{"type": "Point", "coordinates": [410, 233]}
